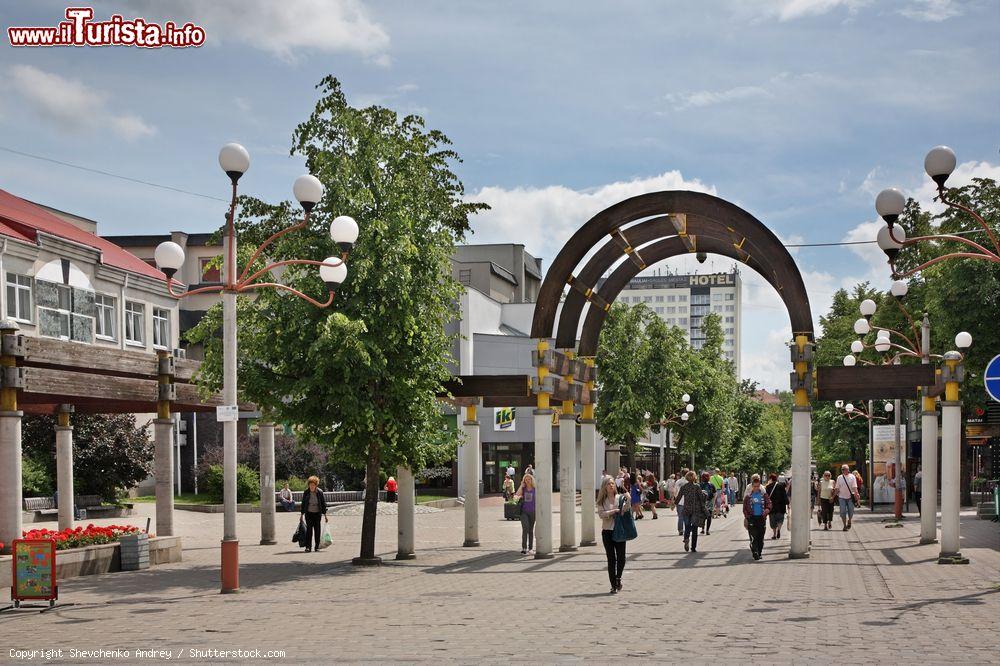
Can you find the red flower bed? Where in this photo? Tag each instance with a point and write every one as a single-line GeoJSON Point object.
{"type": "Point", "coordinates": [78, 537]}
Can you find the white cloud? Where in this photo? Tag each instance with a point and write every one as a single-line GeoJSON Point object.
{"type": "Point", "coordinates": [931, 10]}
{"type": "Point", "coordinates": [702, 98]}
{"type": "Point", "coordinates": [72, 105]}
{"type": "Point", "coordinates": [789, 10]}
{"type": "Point", "coordinates": [282, 28]}
{"type": "Point", "coordinates": [544, 218]}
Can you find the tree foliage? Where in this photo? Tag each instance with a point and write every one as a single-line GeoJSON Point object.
{"type": "Point", "coordinates": [360, 377]}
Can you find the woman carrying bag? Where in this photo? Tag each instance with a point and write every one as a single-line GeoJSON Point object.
{"type": "Point", "coordinates": [313, 506]}
{"type": "Point", "coordinates": [617, 527]}
{"type": "Point", "coordinates": [693, 511]}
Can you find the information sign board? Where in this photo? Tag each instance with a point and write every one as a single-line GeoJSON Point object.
{"type": "Point", "coordinates": [992, 378]}
{"type": "Point", "coordinates": [33, 568]}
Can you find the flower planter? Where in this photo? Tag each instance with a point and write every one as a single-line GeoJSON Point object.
{"type": "Point", "coordinates": [107, 557]}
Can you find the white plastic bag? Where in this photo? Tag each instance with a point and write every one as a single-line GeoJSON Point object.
{"type": "Point", "coordinates": [326, 539]}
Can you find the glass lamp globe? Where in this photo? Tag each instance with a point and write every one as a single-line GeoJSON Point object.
{"type": "Point", "coordinates": [344, 232]}
{"type": "Point", "coordinates": [891, 240]}
{"type": "Point", "coordinates": [868, 307]}
{"type": "Point", "coordinates": [862, 327]}
{"type": "Point", "coordinates": [887, 407]}
{"type": "Point", "coordinates": [889, 205]}
{"type": "Point", "coordinates": [169, 257]}
{"type": "Point", "coordinates": [857, 347]}
{"type": "Point", "coordinates": [883, 334]}
{"type": "Point", "coordinates": [334, 273]}
{"type": "Point", "coordinates": [849, 408]}
{"type": "Point", "coordinates": [899, 288]}
{"type": "Point", "coordinates": [882, 345]}
{"type": "Point", "coordinates": [684, 416]}
{"type": "Point", "coordinates": [838, 404]}
{"type": "Point", "coordinates": [963, 340]}
{"type": "Point", "coordinates": [849, 361]}
{"type": "Point", "coordinates": [686, 398]}
{"type": "Point", "coordinates": [234, 160]}
{"type": "Point", "coordinates": [308, 190]}
{"type": "Point", "coordinates": [939, 164]}
{"type": "Point", "coordinates": [690, 408]}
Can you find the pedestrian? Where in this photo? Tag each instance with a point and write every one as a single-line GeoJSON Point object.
{"type": "Point", "coordinates": [391, 489]}
{"type": "Point", "coordinates": [694, 500]}
{"type": "Point", "coordinates": [508, 487]}
{"type": "Point", "coordinates": [510, 470]}
{"type": "Point", "coordinates": [719, 482]}
{"type": "Point", "coordinates": [825, 489]}
{"type": "Point", "coordinates": [634, 491]}
{"type": "Point", "coordinates": [756, 506]}
{"type": "Point", "coordinates": [847, 495]}
{"type": "Point", "coordinates": [710, 492]}
{"type": "Point", "coordinates": [918, 480]}
{"type": "Point", "coordinates": [313, 506]}
{"type": "Point", "coordinates": [669, 484]}
{"type": "Point", "coordinates": [620, 479]}
{"type": "Point", "coordinates": [778, 492]}
{"type": "Point", "coordinates": [652, 492]}
{"type": "Point", "coordinates": [527, 494]}
{"type": "Point", "coordinates": [860, 484]}
{"type": "Point", "coordinates": [679, 500]}
{"type": "Point", "coordinates": [734, 488]}
{"type": "Point", "coordinates": [529, 470]}
{"type": "Point", "coordinates": [287, 499]}
{"type": "Point", "coordinates": [610, 505]}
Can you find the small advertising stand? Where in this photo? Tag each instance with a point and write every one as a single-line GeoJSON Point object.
{"type": "Point", "coordinates": [33, 571]}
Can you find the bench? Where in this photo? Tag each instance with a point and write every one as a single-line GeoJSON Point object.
{"type": "Point", "coordinates": [94, 504]}
{"type": "Point", "coordinates": [331, 497]}
{"type": "Point", "coordinates": [42, 506]}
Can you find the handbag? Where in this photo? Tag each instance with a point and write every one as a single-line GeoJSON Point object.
{"type": "Point", "coordinates": [624, 524]}
{"type": "Point", "coordinates": [299, 536]}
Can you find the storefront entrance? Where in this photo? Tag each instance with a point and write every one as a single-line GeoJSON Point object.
{"type": "Point", "coordinates": [498, 457]}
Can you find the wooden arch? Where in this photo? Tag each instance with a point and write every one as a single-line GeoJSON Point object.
{"type": "Point", "coordinates": [688, 221]}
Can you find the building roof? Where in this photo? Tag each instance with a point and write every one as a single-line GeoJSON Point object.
{"type": "Point", "coordinates": [23, 220]}
{"type": "Point", "coordinates": [766, 397]}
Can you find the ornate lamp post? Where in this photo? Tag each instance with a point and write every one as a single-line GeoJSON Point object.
{"type": "Point", "coordinates": [939, 164]}
{"type": "Point", "coordinates": [678, 418]}
{"type": "Point", "coordinates": [860, 412]}
{"type": "Point", "coordinates": [308, 190]}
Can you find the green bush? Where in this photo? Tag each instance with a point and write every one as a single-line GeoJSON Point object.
{"type": "Point", "coordinates": [35, 480]}
{"type": "Point", "coordinates": [247, 483]}
{"type": "Point", "coordinates": [294, 483]}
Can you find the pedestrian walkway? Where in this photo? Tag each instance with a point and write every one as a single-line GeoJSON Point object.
{"type": "Point", "coordinates": [872, 591]}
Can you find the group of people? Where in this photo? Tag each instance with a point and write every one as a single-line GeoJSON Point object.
{"type": "Point", "coordinates": [844, 491]}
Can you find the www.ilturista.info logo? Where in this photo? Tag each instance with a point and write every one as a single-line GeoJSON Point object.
{"type": "Point", "coordinates": [79, 29]}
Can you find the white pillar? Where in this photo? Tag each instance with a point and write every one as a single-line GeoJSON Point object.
{"type": "Point", "coordinates": [928, 474]}
{"type": "Point", "coordinates": [64, 475]}
{"type": "Point", "coordinates": [229, 427]}
{"type": "Point", "coordinates": [662, 437]}
{"type": "Point", "coordinates": [801, 455]}
{"type": "Point", "coordinates": [267, 504]}
{"type": "Point", "coordinates": [405, 504]}
{"type": "Point", "coordinates": [470, 476]}
{"type": "Point", "coordinates": [543, 483]}
{"type": "Point", "coordinates": [10, 478]}
{"type": "Point", "coordinates": [567, 483]}
{"type": "Point", "coordinates": [163, 463]}
{"type": "Point", "coordinates": [588, 482]}
{"type": "Point", "coordinates": [951, 443]}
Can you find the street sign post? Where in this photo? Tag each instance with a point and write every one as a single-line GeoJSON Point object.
{"type": "Point", "coordinates": [991, 378]}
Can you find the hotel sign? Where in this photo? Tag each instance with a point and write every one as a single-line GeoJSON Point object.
{"type": "Point", "coordinates": [682, 281]}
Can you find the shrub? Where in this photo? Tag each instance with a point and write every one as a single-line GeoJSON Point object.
{"type": "Point", "coordinates": [35, 479]}
{"type": "Point", "coordinates": [295, 483]}
{"type": "Point", "coordinates": [247, 483]}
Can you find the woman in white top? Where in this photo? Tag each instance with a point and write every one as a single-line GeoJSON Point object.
{"type": "Point", "coordinates": [610, 504]}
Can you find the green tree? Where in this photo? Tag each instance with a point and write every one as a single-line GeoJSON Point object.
{"type": "Point", "coordinates": [362, 376]}
{"type": "Point", "coordinates": [713, 392]}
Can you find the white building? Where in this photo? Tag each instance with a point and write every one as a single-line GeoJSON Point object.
{"type": "Point", "coordinates": [684, 301]}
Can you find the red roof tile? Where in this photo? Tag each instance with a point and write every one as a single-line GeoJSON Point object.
{"type": "Point", "coordinates": [22, 220]}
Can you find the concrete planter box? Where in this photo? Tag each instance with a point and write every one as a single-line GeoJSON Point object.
{"type": "Point", "coordinates": [216, 508]}
{"type": "Point", "coordinates": [29, 517]}
{"type": "Point", "coordinates": [107, 558]}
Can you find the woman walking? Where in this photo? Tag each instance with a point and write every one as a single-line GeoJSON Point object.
{"type": "Point", "coordinates": [693, 511]}
{"type": "Point", "coordinates": [527, 494]}
{"type": "Point", "coordinates": [710, 490]}
{"type": "Point", "coordinates": [313, 506]}
{"type": "Point", "coordinates": [779, 505]}
{"type": "Point", "coordinates": [508, 488]}
{"type": "Point", "coordinates": [651, 492]}
{"type": "Point", "coordinates": [632, 489]}
{"type": "Point", "coordinates": [824, 488]}
{"type": "Point", "coordinates": [756, 506]}
{"type": "Point", "coordinates": [609, 505]}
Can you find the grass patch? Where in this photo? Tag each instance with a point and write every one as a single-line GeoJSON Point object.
{"type": "Point", "coordinates": [185, 498]}
{"type": "Point", "coordinates": [423, 499]}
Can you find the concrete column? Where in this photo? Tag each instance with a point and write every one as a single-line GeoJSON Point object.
{"type": "Point", "coordinates": [951, 442]}
{"type": "Point", "coordinates": [407, 513]}
{"type": "Point", "coordinates": [588, 484]}
{"type": "Point", "coordinates": [64, 474]}
{"type": "Point", "coordinates": [543, 484]}
{"type": "Point", "coordinates": [163, 463]}
{"type": "Point", "coordinates": [929, 472]}
{"type": "Point", "coordinates": [470, 476]}
{"type": "Point", "coordinates": [10, 477]}
{"type": "Point", "coordinates": [801, 455]}
{"type": "Point", "coordinates": [267, 504]}
{"type": "Point", "coordinates": [567, 482]}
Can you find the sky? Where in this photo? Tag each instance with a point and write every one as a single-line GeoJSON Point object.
{"type": "Point", "coordinates": [799, 111]}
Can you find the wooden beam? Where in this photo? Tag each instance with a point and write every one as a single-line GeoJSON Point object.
{"type": "Point", "coordinates": [477, 386]}
{"type": "Point", "coordinates": [872, 382]}
{"type": "Point", "coordinates": [51, 353]}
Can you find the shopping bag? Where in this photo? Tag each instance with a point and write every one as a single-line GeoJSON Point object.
{"type": "Point", "coordinates": [326, 539]}
{"type": "Point", "coordinates": [299, 536]}
{"type": "Point", "coordinates": [624, 525]}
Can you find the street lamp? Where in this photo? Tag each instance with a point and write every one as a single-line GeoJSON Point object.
{"type": "Point", "coordinates": [308, 190]}
{"type": "Point", "coordinates": [852, 412]}
{"type": "Point", "coordinates": [939, 164]}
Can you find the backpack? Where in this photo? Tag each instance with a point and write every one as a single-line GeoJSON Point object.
{"type": "Point", "coordinates": [757, 504]}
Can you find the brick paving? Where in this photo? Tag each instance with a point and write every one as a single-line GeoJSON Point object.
{"type": "Point", "coordinates": [869, 595]}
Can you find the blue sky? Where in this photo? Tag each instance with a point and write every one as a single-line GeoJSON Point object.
{"type": "Point", "coordinates": [797, 110]}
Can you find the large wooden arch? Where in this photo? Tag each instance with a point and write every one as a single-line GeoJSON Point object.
{"type": "Point", "coordinates": [688, 221]}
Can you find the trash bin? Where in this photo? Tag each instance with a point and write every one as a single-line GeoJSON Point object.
{"type": "Point", "coordinates": [81, 514]}
{"type": "Point", "coordinates": [134, 551]}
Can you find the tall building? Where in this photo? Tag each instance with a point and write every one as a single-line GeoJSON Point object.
{"type": "Point", "coordinates": [685, 300]}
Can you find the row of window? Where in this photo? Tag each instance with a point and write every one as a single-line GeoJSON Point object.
{"type": "Point", "coordinates": [671, 298]}
{"type": "Point", "coordinates": [78, 314]}
{"type": "Point", "coordinates": [672, 309]}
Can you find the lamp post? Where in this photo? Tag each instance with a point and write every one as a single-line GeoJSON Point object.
{"type": "Point", "coordinates": [308, 190]}
{"type": "Point", "coordinates": [890, 203]}
{"type": "Point", "coordinates": [860, 412]}
{"type": "Point", "coordinates": [678, 418]}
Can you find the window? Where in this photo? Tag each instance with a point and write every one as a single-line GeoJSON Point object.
{"type": "Point", "coordinates": [700, 299]}
{"type": "Point", "coordinates": [730, 331]}
{"type": "Point", "coordinates": [19, 297]}
{"type": "Point", "coordinates": [717, 308]}
{"type": "Point", "coordinates": [54, 310]}
{"type": "Point", "coordinates": [464, 276]}
{"type": "Point", "coordinates": [161, 328]}
{"type": "Point", "coordinates": [647, 299]}
{"type": "Point", "coordinates": [135, 322]}
{"type": "Point", "coordinates": [671, 299]}
{"type": "Point", "coordinates": [682, 321]}
{"type": "Point", "coordinates": [682, 298]}
{"type": "Point", "coordinates": [717, 296]}
{"type": "Point", "coordinates": [659, 310]}
{"type": "Point", "coordinates": [211, 273]}
{"type": "Point", "coordinates": [730, 296]}
{"type": "Point", "coordinates": [105, 316]}
{"type": "Point", "coordinates": [671, 309]}
{"type": "Point", "coordinates": [730, 308]}
{"type": "Point", "coordinates": [671, 321]}
{"type": "Point", "coordinates": [682, 309]}
{"type": "Point", "coordinates": [659, 299]}
{"type": "Point", "coordinates": [730, 320]}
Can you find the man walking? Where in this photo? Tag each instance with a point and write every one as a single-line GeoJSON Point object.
{"type": "Point", "coordinates": [756, 506]}
{"type": "Point", "coordinates": [918, 480]}
{"type": "Point", "coordinates": [679, 501]}
{"type": "Point", "coordinates": [734, 488]}
{"type": "Point", "coordinates": [847, 495]}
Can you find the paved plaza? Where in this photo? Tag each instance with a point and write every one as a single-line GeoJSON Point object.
{"type": "Point", "coordinates": [872, 594]}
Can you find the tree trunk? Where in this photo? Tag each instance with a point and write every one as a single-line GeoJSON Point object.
{"type": "Point", "coordinates": [367, 556]}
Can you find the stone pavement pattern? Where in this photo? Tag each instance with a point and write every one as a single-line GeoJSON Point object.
{"type": "Point", "coordinates": [873, 592]}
